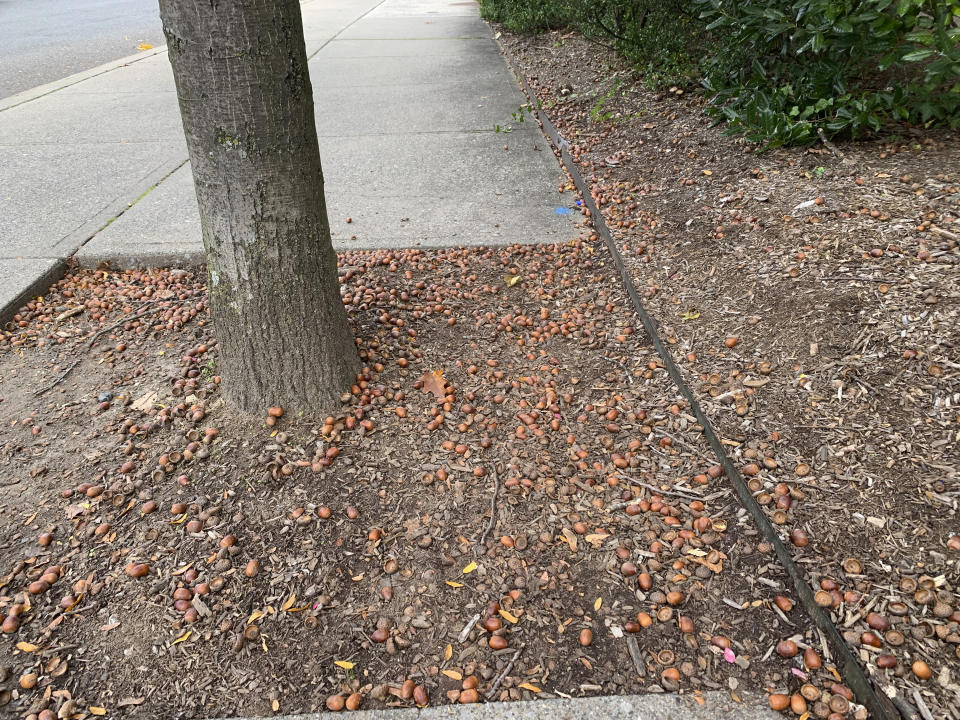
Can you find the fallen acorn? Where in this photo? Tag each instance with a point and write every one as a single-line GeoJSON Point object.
{"type": "Point", "coordinates": [586, 637]}
{"type": "Point", "coordinates": [335, 703]}
{"type": "Point", "coordinates": [137, 570]}
{"type": "Point", "coordinates": [921, 670]}
{"type": "Point", "coordinates": [787, 648]}
{"type": "Point", "coordinates": [468, 697]}
{"type": "Point", "coordinates": [778, 701]}
{"type": "Point", "coordinates": [354, 701]}
{"type": "Point", "coordinates": [497, 642]}
{"type": "Point", "coordinates": [420, 696]}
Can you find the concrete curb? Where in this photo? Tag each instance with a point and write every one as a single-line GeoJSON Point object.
{"type": "Point", "coordinates": [41, 90]}
{"type": "Point", "coordinates": [37, 285]}
{"type": "Point", "coordinates": [629, 707]}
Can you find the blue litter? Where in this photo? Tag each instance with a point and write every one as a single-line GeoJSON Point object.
{"type": "Point", "coordinates": [579, 202]}
{"type": "Point", "coordinates": [563, 211]}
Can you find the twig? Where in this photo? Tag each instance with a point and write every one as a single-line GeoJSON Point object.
{"type": "Point", "coordinates": [946, 233]}
{"type": "Point", "coordinates": [921, 705]}
{"type": "Point", "coordinates": [827, 144]}
{"type": "Point", "coordinates": [468, 627]}
{"type": "Point", "coordinates": [493, 507]}
{"type": "Point", "coordinates": [635, 655]}
{"type": "Point", "coordinates": [90, 345]}
{"type": "Point", "coordinates": [59, 380]}
{"type": "Point", "coordinates": [502, 675]}
{"type": "Point", "coordinates": [120, 322]}
{"type": "Point", "coordinates": [686, 494]}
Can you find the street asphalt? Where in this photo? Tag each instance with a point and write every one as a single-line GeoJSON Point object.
{"type": "Point", "coordinates": [45, 40]}
{"type": "Point", "coordinates": [419, 129]}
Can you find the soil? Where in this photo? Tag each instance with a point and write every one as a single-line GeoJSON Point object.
{"type": "Point", "coordinates": [511, 487]}
{"type": "Point", "coordinates": [812, 296]}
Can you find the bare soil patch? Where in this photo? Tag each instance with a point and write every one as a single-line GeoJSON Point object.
{"type": "Point", "coordinates": [163, 556]}
{"type": "Point", "coordinates": [813, 295]}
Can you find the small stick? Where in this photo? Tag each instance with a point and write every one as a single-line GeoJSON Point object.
{"type": "Point", "coordinates": [635, 655]}
{"type": "Point", "coordinates": [468, 627]}
{"type": "Point", "coordinates": [90, 345]}
{"type": "Point", "coordinates": [945, 233]}
{"type": "Point", "coordinates": [493, 506]}
{"type": "Point", "coordinates": [921, 705]}
{"type": "Point", "coordinates": [506, 671]}
{"type": "Point", "coordinates": [827, 144]}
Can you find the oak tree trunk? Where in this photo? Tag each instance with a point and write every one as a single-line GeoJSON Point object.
{"type": "Point", "coordinates": [240, 68]}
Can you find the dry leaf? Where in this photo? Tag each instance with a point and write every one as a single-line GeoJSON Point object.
{"type": "Point", "coordinates": [453, 584]}
{"type": "Point", "coordinates": [571, 539]}
{"type": "Point", "coordinates": [528, 686]}
{"type": "Point", "coordinates": [144, 46]}
{"type": "Point", "coordinates": [511, 280]}
{"type": "Point", "coordinates": [434, 384]}
{"type": "Point", "coordinates": [509, 617]}
{"type": "Point", "coordinates": [597, 603]}
{"type": "Point", "coordinates": [288, 603]}
{"type": "Point", "coordinates": [345, 664]}
{"type": "Point", "coordinates": [448, 652]}
{"type": "Point", "coordinates": [183, 637]}
{"type": "Point", "coordinates": [131, 701]}
{"type": "Point", "coordinates": [453, 675]}
{"type": "Point", "coordinates": [469, 568]}
{"type": "Point", "coordinates": [94, 710]}
{"type": "Point", "coordinates": [27, 647]}
{"type": "Point", "coordinates": [256, 615]}
{"type": "Point", "coordinates": [596, 539]}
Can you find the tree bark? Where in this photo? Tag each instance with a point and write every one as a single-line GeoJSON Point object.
{"type": "Point", "coordinates": [240, 68]}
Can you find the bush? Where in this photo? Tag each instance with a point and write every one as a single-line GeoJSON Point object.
{"type": "Point", "coordinates": [780, 71]}
{"type": "Point", "coordinates": [788, 69]}
{"type": "Point", "coordinates": [527, 16]}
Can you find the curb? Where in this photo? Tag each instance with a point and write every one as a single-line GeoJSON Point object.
{"type": "Point", "coordinates": [38, 92]}
{"type": "Point", "coordinates": [666, 706]}
{"type": "Point", "coordinates": [37, 286]}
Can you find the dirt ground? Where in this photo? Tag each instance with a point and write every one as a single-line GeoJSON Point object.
{"type": "Point", "coordinates": [164, 557]}
{"type": "Point", "coordinates": [813, 297]}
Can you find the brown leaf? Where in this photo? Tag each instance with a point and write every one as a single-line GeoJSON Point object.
{"type": "Point", "coordinates": [131, 701]}
{"type": "Point", "coordinates": [434, 383]}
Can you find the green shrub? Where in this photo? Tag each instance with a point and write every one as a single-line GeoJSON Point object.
{"type": "Point", "coordinates": [527, 16]}
{"type": "Point", "coordinates": [785, 70]}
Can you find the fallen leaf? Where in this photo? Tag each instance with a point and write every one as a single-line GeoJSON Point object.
{"type": "Point", "coordinates": [288, 603]}
{"type": "Point", "coordinates": [183, 638]}
{"type": "Point", "coordinates": [448, 652]}
{"type": "Point", "coordinates": [528, 686]}
{"type": "Point", "coordinates": [597, 603]}
{"type": "Point", "coordinates": [469, 568]}
{"type": "Point", "coordinates": [509, 617]}
{"type": "Point", "coordinates": [434, 384]}
{"type": "Point", "coordinates": [596, 539]}
{"type": "Point", "coordinates": [691, 315]}
{"type": "Point", "coordinates": [511, 280]}
{"type": "Point", "coordinates": [144, 46]}
{"type": "Point", "coordinates": [345, 664]}
{"type": "Point", "coordinates": [145, 403]}
{"type": "Point", "coordinates": [453, 675]}
{"type": "Point", "coordinates": [571, 539]}
{"type": "Point", "coordinates": [94, 710]}
{"type": "Point", "coordinates": [27, 647]}
{"type": "Point", "coordinates": [254, 616]}
{"type": "Point", "coordinates": [179, 519]}
{"type": "Point", "coordinates": [131, 701]}
{"type": "Point", "coordinates": [453, 584]}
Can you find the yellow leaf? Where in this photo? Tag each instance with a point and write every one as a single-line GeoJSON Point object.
{"type": "Point", "coordinates": [288, 603]}
{"type": "Point", "coordinates": [97, 710]}
{"type": "Point", "coordinates": [691, 315]}
{"type": "Point", "coordinates": [179, 519]}
{"type": "Point", "coordinates": [469, 568]}
{"type": "Point", "coordinates": [597, 603]}
{"type": "Point", "coordinates": [511, 280]}
{"type": "Point", "coordinates": [453, 675]}
{"type": "Point", "coordinates": [256, 615]}
{"type": "Point", "coordinates": [528, 686]}
{"type": "Point", "coordinates": [183, 637]}
{"type": "Point", "coordinates": [448, 652]}
{"type": "Point", "coordinates": [453, 584]}
{"type": "Point", "coordinates": [345, 664]}
{"type": "Point", "coordinates": [275, 705]}
{"type": "Point", "coordinates": [835, 674]}
{"type": "Point", "coordinates": [144, 46]}
{"type": "Point", "coordinates": [27, 647]}
{"type": "Point", "coordinates": [508, 617]}
{"type": "Point", "coordinates": [805, 716]}
{"type": "Point", "coordinates": [708, 172]}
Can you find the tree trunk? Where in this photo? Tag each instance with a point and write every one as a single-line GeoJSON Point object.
{"type": "Point", "coordinates": [240, 68]}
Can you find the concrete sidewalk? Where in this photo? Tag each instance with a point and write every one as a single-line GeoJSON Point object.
{"type": "Point", "coordinates": [707, 706]}
{"type": "Point", "coordinates": [408, 96]}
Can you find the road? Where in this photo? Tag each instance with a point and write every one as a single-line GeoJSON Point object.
{"type": "Point", "coordinates": [45, 40]}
